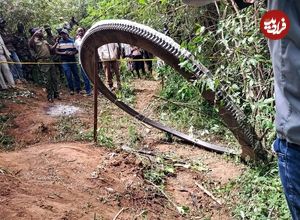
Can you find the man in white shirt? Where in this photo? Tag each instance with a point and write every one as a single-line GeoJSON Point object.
{"type": "Point", "coordinates": [109, 55]}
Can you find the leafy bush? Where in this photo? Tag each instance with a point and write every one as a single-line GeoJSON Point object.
{"type": "Point", "coordinates": [258, 195]}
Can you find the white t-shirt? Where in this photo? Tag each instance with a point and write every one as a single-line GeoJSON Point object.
{"type": "Point", "coordinates": [108, 52]}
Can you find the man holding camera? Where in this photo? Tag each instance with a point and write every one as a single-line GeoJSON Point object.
{"type": "Point", "coordinates": [43, 53]}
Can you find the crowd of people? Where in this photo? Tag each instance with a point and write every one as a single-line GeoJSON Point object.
{"type": "Point", "coordinates": [56, 57]}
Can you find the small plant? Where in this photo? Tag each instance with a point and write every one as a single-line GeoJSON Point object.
{"type": "Point", "coordinates": [134, 137]}
{"type": "Point", "coordinates": [158, 171]}
{"type": "Point", "coordinates": [126, 94]}
{"type": "Point", "coordinates": [68, 128]}
{"type": "Point", "coordinates": [103, 139]}
{"type": "Point", "coordinates": [6, 141]}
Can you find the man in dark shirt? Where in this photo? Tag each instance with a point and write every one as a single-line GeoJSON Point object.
{"type": "Point", "coordinates": [66, 48]}
{"type": "Point", "coordinates": [55, 57]}
{"type": "Point", "coordinates": [20, 43]}
{"type": "Point", "coordinates": [43, 53]}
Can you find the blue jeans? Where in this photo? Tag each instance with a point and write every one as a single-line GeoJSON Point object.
{"type": "Point", "coordinates": [70, 70]}
{"type": "Point", "coordinates": [86, 81]}
{"type": "Point", "coordinates": [16, 69]}
{"type": "Point", "coordinates": [289, 171]}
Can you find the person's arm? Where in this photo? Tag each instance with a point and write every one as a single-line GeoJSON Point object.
{"type": "Point", "coordinates": [57, 50]}
{"type": "Point", "coordinates": [53, 47]}
{"type": "Point", "coordinates": [31, 40]}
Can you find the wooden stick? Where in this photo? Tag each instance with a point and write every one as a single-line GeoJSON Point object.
{"type": "Point", "coordinates": [208, 193]}
{"type": "Point", "coordinates": [95, 99]}
{"type": "Point", "coordinates": [165, 195]}
{"type": "Point", "coordinates": [135, 217]}
{"type": "Point", "coordinates": [117, 215]}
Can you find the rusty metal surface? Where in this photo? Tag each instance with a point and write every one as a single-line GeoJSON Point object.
{"type": "Point", "coordinates": [124, 31]}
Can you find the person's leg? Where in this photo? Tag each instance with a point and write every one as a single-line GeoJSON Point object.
{"type": "Point", "coordinates": [86, 80]}
{"type": "Point", "coordinates": [54, 83]}
{"type": "Point", "coordinates": [142, 64]}
{"type": "Point", "coordinates": [45, 71]}
{"type": "Point", "coordinates": [17, 65]}
{"type": "Point", "coordinates": [116, 68]}
{"type": "Point", "coordinates": [2, 81]}
{"type": "Point", "coordinates": [149, 65]}
{"type": "Point", "coordinates": [135, 67]}
{"type": "Point", "coordinates": [108, 74]}
{"type": "Point", "coordinates": [289, 164]}
{"type": "Point", "coordinates": [74, 69]}
{"type": "Point", "coordinates": [6, 73]}
{"type": "Point", "coordinates": [14, 72]}
{"type": "Point", "coordinates": [68, 74]}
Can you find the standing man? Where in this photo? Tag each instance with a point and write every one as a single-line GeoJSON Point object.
{"type": "Point", "coordinates": [43, 53]}
{"type": "Point", "coordinates": [136, 54]}
{"type": "Point", "coordinates": [20, 42]}
{"type": "Point", "coordinates": [109, 54]}
{"type": "Point", "coordinates": [6, 77]}
{"type": "Point", "coordinates": [55, 57]}
{"type": "Point", "coordinates": [79, 35]}
{"type": "Point", "coordinates": [66, 48]}
{"type": "Point", "coordinates": [285, 55]}
{"type": "Point", "coordinates": [8, 39]}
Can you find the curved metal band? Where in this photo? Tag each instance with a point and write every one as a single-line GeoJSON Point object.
{"type": "Point", "coordinates": [123, 31]}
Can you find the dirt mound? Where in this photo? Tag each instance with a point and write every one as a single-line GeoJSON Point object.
{"type": "Point", "coordinates": [75, 181]}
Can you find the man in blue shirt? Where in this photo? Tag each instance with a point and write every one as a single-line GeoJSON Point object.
{"type": "Point", "coordinates": [66, 48]}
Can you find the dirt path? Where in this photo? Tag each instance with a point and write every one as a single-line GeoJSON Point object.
{"type": "Point", "coordinates": [76, 180]}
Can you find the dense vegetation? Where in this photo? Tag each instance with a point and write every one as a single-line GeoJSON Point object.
{"type": "Point", "coordinates": [226, 40]}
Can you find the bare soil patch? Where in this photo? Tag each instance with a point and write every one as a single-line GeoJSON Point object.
{"type": "Point", "coordinates": [43, 179]}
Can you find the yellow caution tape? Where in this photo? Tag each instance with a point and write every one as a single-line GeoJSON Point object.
{"type": "Point", "coordinates": [52, 63]}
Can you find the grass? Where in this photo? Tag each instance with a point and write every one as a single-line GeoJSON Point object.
{"type": "Point", "coordinates": [68, 128]}
{"type": "Point", "coordinates": [257, 195]}
{"type": "Point", "coordinates": [6, 141]}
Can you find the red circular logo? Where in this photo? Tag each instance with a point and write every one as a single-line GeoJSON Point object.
{"type": "Point", "coordinates": [275, 24]}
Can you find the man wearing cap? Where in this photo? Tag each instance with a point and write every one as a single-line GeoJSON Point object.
{"type": "Point", "coordinates": [66, 48]}
{"type": "Point", "coordinates": [55, 57]}
{"type": "Point", "coordinates": [16, 68]}
{"type": "Point", "coordinates": [43, 52]}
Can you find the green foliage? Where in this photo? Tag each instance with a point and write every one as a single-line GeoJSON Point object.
{"type": "Point", "coordinates": [134, 136]}
{"type": "Point", "coordinates": [258, 195]}
{"type": "Point", "coordinates": [158, 171]}
{"type": "Point", "coordinates": [6, 141]}
{"type": "Point", "coordinates": [103, 139]}
{"type": "Point", "coordinates": [68, 128]}
{"type": "Point", "coordinates": [186, 109]}
{"type": "Point", "coordinates": [34, 13]}
{"type": "Point", "coordinates": [126, 94]}
{"type": "Point", "coordinates": [240, 63]}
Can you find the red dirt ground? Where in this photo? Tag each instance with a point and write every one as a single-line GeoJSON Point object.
{"type": "Point", "coordinates": [73, 180]}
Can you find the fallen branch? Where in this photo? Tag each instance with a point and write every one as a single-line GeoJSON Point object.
{"type": "Point", "coordinates": [150, 153]}
{"type": "Point", "coordinates": [165, 195]}
{"type": "Point", "coordinates": [208, 193]}
{"type": "Point", "coordinates": [117, 215]}
{"type": "Point", "coordinates": [177, 103]}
